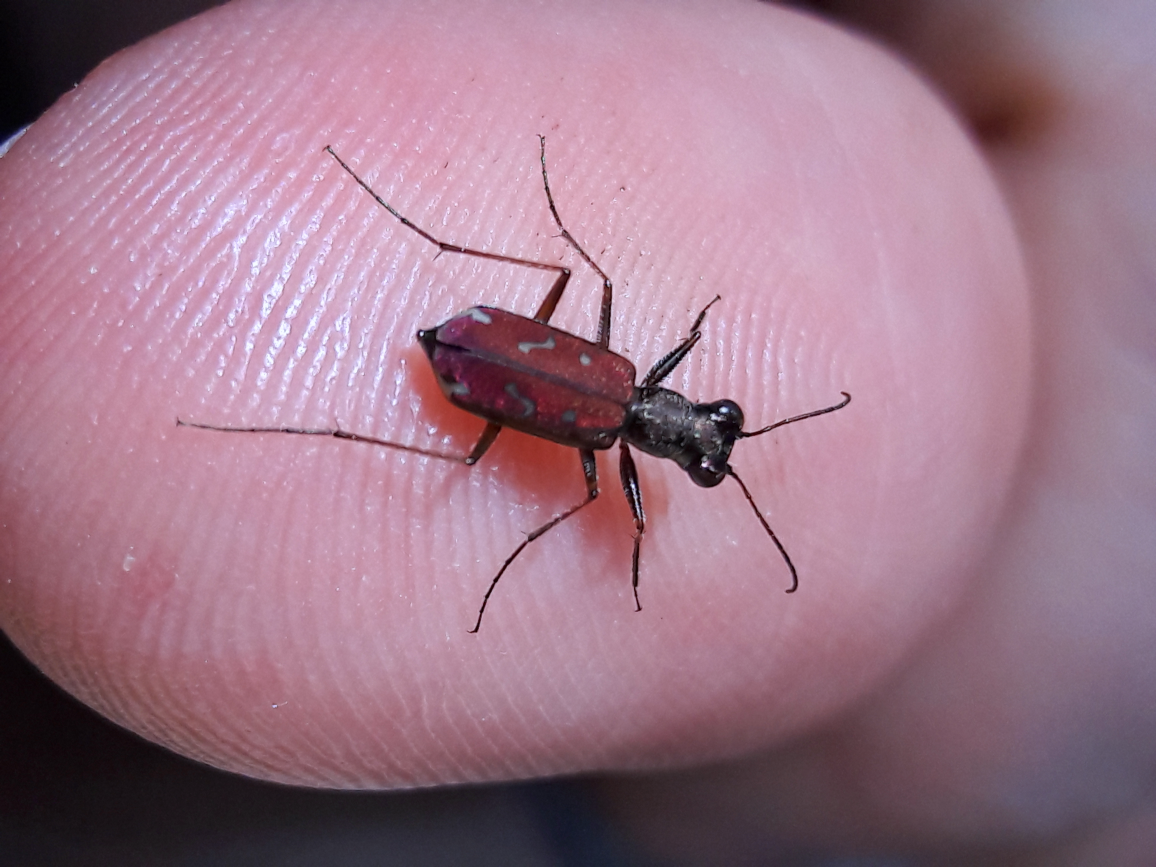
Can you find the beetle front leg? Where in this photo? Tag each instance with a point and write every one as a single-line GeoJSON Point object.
{"type": "Point", "coordinates": [590, 471]}
{"type": "Point", "coordinates": [629, 476]}
{"type": "Point", "coordinates": [666, 365]}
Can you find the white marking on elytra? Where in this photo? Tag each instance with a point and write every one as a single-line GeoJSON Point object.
{"type": "Point", "coordinates": [584, 360]}
{"type": "Point", "coordinates": [460, 389]}
{"type": "Point", "coordinates": [528, 405]}
{"type": "Point", "coordinates": [525, 346]}
{"type": "Point", "coordinates": [479, 316]}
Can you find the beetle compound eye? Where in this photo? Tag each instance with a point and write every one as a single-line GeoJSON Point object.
{"type": "Point", "coordinates": [716, 464]}
{"type": "Point", "coordinates": [707, 473]}
{"type": "Point", "coordinates": [727, 414]}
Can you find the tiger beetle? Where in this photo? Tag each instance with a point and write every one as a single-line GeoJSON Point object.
{"type": "Point", "coordinates": [524, 374]}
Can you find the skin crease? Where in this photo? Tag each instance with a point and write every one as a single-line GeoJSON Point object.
{"type": "Point", "coordinates": [175, 243]}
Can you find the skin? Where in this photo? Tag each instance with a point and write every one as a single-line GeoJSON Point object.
{"type": "Point", "coordinates": [176, 244]}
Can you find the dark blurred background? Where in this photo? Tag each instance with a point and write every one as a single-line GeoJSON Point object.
{"type": "Point", "coordinates": [47, 47]}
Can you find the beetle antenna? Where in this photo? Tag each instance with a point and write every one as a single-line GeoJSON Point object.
{"type": "Point", "coordinates": [846, 400]}
{"type": "Point", "coordinates": [786, 557]}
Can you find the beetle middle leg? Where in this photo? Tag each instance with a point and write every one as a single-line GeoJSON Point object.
{"type": "Point", "coordinates": [590, 471]}
{"type": "Point", "coordinates": [552, 297]}
{"type": "Point", "coordinates": [607, 287]}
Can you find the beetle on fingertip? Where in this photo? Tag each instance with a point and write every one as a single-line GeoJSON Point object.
{"type": "Point", "coordinates": [523, 373]}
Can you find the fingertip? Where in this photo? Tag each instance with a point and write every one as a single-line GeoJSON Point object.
{"type": "Point", "coordinates": [191, 252]}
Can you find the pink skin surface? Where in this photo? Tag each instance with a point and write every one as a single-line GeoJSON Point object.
{"type": "Point", "coordinates": [964, 660]}
{"type": "Point", "coordinates": [179, 245]}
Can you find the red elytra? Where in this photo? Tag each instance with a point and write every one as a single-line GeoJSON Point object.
{"type": "Point", "coordinates": [524, 374]}
{"type": "Point", "coordinates": [528, 376]}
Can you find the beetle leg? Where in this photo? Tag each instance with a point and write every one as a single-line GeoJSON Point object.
{"type": "Point", "coordinates": [445, 246]}
{"type": "Point", "coordinates": [666, 365]}
{"type": "Point", "coordinates": [590, 471]}
{"type": "Point", "coordinates": [483, 444]}
{"type": "Point", "coordinates": [630, 487]}
{"type": "Point", "coordinates": [607, 286]}
{"type": "Point", "coordinates": [341, 435]}
{"type": "Point", "coordinates": [555, 295]}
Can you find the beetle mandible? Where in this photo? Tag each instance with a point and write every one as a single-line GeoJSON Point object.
{"type": "Point", "coordinates": [522, 373]}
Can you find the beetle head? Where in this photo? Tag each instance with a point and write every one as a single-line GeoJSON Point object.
{"type": "Point", "coordinates": [717, 426]}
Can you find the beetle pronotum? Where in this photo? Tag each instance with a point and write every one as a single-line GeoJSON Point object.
{"type": "Point", "coordinates": [524, 374]}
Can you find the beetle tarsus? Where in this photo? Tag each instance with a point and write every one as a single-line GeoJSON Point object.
{"type": "Point", "coordinates": [607, 287]}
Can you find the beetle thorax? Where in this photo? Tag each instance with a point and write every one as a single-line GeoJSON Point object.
{"type": "Point", "coordinates": [697, 436]}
